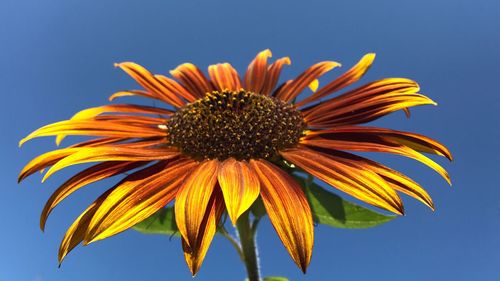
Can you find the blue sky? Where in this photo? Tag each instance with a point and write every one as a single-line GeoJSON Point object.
{"type": "Point", "coordinates": [57, 58]}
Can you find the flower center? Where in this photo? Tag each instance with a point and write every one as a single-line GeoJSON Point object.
{"type": "Point", "coordinates": [241, 124]}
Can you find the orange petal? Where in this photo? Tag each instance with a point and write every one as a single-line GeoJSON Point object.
{"type": "Point", "coordinates": [362, 184]}
{"type": "Point", "coordinates": [346, 79]}
{"type": "Point", "coordinates": [367, 110]}
{"type": "Point", "coordinates": [293, 89]}
{"type": "Point", "coordinates": [256, 73]}
{"type": "Point", "coordinates": [195, 254]}
{"type": "Point", "coordinates": [370, 143]}
{"type": "Point", "coordinates": [137, 197]}
{"type": "Point", "coordinates": [43, 161]}
{"type": "Point", "coordinates": [95, 173]}
{"type": "Point", "coordinates": [193, 198]}
{"type": "Point", "coordinates": [134, 93]}
{"type": "Point", "coordinates": [192, 79]}
{"type": "Point", "coordinates": [239, 185]}
{"type": "Point", "coordinates": [367, 91]}
{"type": "Point", "coordinates": [76, 232]}
{"type": "Point", "coordinates": [273, 74]}
{"type": "Point", "coordinates": [112, 153]}
{"type": "Point", "coordinates": [225, 77]}
{"type": "Point", "coordinates": [175, 87]}
{"type": "Point", "coordinates": [97, 128]}
{"type": "Point", "coordinates": [415, 141]}
{"type": "Point", "coordinates": [288, 211]}
{"type": "Point", "coordinates": [395, 179]}
{"type": "Point", "coordinates": [147, 80]}
{"type": "Point", "coordinates": [114, 108]}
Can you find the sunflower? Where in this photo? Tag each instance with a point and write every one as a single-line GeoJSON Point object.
{"type": "Point", "coordinates": [223, 141]}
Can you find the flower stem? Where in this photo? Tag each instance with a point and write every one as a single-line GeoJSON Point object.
{"type": "Point", "coordinates": [249, 249]}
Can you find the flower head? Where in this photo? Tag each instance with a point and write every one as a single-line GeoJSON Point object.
{"type": "Point", "coordinates": [222, 141]}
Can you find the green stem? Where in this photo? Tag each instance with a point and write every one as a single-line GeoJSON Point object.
{"type": "Point", "coordinates": [248, 247]}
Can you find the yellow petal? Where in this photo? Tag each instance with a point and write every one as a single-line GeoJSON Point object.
{"type": "Point", "coordinates": [137, 197]}
{"type": "Point", "coordinates": [288, 211]}
{"type": "Point", "coordinates": [346, 79]}
{"type": "Point", "coordinates": [193, 198]}
{"type": "Point", "coordinates": [352, 179]}
{"type": "Point", "coordinates": [111, 153]}
{"type": "Point", "coordinates": [95, 173]}
{"type": "Point", "coordinates": [195, 254]}
{"type": "Point", "coordinates": [239, 185]}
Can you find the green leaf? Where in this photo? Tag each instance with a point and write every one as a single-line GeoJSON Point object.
{"type": "Point", "coordinates": [330, 209]}
{"type": "Point", "coordinates": [273, 278]}
{"type": "Point", "coordinates": [162, 222]}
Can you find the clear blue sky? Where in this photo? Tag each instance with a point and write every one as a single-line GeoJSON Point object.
{"type": "Point", "coordinates": [56, 57]}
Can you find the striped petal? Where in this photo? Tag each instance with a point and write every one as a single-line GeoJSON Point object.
{"type": "Point", "coordinates": [365, 142]}
{"type": "Point", "coordinates": [352, 179]}
{"type": "Point", "coordinates": [115, 108]}
{"type": "Point", "coordinates": [415, 141]}
{"type": "Point", "coordinates": [293, 89]}
{"type": "Point", "coordinates": [95, 173]}
{"type": "Point", "coordinates": [192, 200]}
{"type": "Point", "coordinates": [373, 89]}
{"type": "Point", "coordinates": [273, 74]}
{"type": "Point", "coordinates": [192, 79]}
{"type": "Point", "coordinates": [137, 197]}
{"type": "Point", "coordinates": [224, 77]}
{"type": "Point", "coordinates": [106, 128]}
{"type": "Point", "coordinates": [175, 87]}
{"type": "Point", "coordinates": [195, 254]}
{"type": "Point", "coordinates": [147, 80]}
{"type": "Point", "coordinates": [394, 179]}
{"type": "Point", "coordinates": [112, 153]}
{"type": "Point", "coordinates": [239, 186]}
{"type": "Point", "coordinates": [288, 211]}
{"type": "Point", "coordinates": [76, 232]}
{"type": "Point", "coordinates": [256, 73]}
{"type": "Point", "coordinates": [367, 110]}
{"type": "Point", "coordinates": [346, 79]}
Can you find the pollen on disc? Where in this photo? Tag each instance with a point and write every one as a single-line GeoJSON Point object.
{"type": "Point", "coordinates": [240, 124]}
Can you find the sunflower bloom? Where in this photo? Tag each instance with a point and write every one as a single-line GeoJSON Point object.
{"type": "Point", "coordinates": [222, 141]}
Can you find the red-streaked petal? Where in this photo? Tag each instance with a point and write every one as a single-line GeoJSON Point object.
{"type": "Point", "coordinates": [367, 110]}
{"type": "Point", "coordinates": [175, 87]}
{"type": "Point", "coordinates": [346, 79]}
{"type": "Point", "coordinates": [194, 255]}
{"type": "Point", "coordinates": [102, 127]}
{"type": "Point", "coordinates": [273, 74]}
{"type": "Point", "coordinates": [115, 108]}
{"type": "Point", "coordinates": [367, 91]}
{"type": "Point", "coordinates": [415, 141]}
{"type": "Point", "coordinates": [395, 179]}
{"type": "Point", "coordinates": [76, 232]}
{"type": "Point", "coordinates": [239, 185]}
{"type": "Point", "coordinates": [256, 73]}
{"type": "Point", "coordinates": [147, 80]}
{"type": "Point", "coordinates": [193, 79]}
{"type": "Point", "coordinates": [95, 173]}
{"type": "Point", "coordinates": [288, 211]}
{"type": "Point", "coordinates": [372, 143]}
{"type": "Point", "coordinates": [224, 77]}
{"type": "Point", "coordinates": [137, 197]}
{"type": "Point", "coordinates": [193, 198]}
{"type": "Point", "coordinates": [293, 89]}
{"type": "Point", "coordinates": [351, 179]}
{"type": "Point", "coordinates": [112, 153]}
